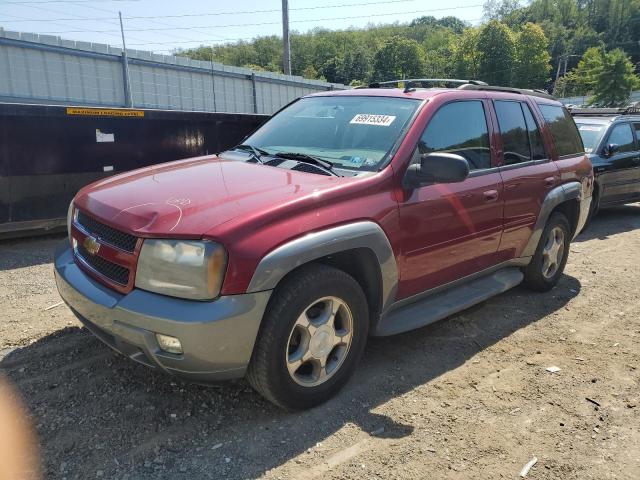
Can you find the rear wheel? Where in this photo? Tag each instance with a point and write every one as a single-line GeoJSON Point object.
{"type": "Point", "coordinates": [550, 258]}
{"type": "Point", "coordinates": [311, 338]}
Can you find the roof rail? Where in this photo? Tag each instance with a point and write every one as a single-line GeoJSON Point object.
{"type": "Point", "coordinates": [605, 112]}
{"type": "Point", "coordinates": [413, 83]}
{"type": "Point", "coordinates": [522, 91]}
{"type": "Point", "coordinates": [410, 84]}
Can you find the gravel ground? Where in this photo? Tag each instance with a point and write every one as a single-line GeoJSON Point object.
{"type": "Point", "coordinates": [468, 397]}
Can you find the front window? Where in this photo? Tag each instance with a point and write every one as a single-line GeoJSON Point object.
{"type": "Point", "coordinates": [622, 136]}
{"type": "Point", "coordinates": [355, 133]}
{"type": "Point", "coordinates": [460, 128]}
{"type": "Point", "coordinates": [591, 134]}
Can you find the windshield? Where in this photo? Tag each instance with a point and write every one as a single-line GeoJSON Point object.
{"type": "Point", "coordinates": [591, 134]}
{"type": "Point", "coordinates": [351, 132]}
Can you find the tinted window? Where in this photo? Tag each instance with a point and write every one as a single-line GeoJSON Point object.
{"type": "Point", "coordinates": [622, 136]}
{"type": "Point", "coordinates": [535, 138]}
{"type": "Point", "coordinates": [461, 128]}
{"type": "Point", "coordinates": [515, 136]}
{"type": "Point", "coordinates": [563, 130]}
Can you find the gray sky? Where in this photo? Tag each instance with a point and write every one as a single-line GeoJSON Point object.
{"type": "Point", "coordinates": [189, 23]}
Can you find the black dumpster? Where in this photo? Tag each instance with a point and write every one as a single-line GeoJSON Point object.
{"type": "Point", "coordinates": [47, 153]}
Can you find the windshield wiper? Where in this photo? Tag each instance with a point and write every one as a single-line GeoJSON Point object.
{"type": "Point", "coordinates": [303, 157]}
{"type": "Point", "coordinates": [256, 152]}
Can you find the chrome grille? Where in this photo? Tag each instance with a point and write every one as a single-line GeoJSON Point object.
{"type": "Point", "coordinates": [110, 270]}
{"type": "Point", "coordinates": [106, 234]}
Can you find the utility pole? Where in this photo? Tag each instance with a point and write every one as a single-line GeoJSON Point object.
{"type": "Point", "coordinates": [128, 98]}
{"type": "Point", "coordinates": [555, 84]}
{"type": "Point", "coordinates": [286, 45]}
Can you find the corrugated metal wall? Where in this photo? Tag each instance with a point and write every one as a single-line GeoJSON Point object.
{"type": "Point", "coordinates": [47, 69]}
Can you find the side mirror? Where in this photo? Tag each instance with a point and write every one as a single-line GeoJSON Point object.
{"type": "Point", "coordinates": [437, 168]}
{"type": "Point", "coordinates": [611, 149]}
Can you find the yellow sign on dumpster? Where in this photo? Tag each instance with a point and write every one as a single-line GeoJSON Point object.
{"type": "Point", "coordinates": [104, 112]}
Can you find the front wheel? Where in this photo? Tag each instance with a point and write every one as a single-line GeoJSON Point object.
{"type": "Point", "coordinates": [547, 264]}
{"type": "Point", "coordinates": [311, 338]}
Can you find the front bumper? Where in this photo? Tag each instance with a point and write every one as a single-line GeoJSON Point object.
{"type": "Point", "coordinates": [217, 337]}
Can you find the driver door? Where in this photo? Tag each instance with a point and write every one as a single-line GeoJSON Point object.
{"type": "Point", "coordinates": [619, 180]}
{"type": "Point", "coordinates": [452, 230]}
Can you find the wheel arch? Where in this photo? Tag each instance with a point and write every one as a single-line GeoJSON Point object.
{"type": "Point", "coordinates": [361, 249]}
{"type": "Point", "coordinates": [564, 198]}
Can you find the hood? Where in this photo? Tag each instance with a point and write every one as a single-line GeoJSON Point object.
{"type": "Point", "coordinates": [187, 198]}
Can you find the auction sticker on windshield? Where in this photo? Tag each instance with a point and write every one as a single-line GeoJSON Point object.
{"type": "Point", "coordinates": [370, 119]}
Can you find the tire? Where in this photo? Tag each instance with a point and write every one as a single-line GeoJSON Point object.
{"type": "Point", "coordinates": [539, 275]}
{"type": "Point", "coordinates": [308, 297]}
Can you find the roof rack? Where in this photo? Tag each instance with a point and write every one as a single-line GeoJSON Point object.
{"type": "Point", "coordinates": [605, 112]}
{"type": "Point", "coordinates": [522, 91]}
{"type": "Point", "coordinates": [411, 84]}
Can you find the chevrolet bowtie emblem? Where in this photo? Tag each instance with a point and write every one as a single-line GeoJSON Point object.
{"type": "Point", "coordinates": [91, 245]}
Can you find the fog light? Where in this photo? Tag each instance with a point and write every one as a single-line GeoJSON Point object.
{"type": "Point", "coordinates": [169, 344]}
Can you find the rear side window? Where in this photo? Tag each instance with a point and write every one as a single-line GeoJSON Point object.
{"type": "Point", "coordinates": [460, 128]}
{"type": "Point", "coordinates": [622, 136]}
{"type": "Point", "coordinates": [535, 137]}
{"type": "Point", "coordinates": [515, 135]}
{"type": "Point", "coordinates": [563, 130]}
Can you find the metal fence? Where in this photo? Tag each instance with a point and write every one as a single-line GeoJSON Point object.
{"type": "Point", "coordinates": [634, 97]}
{"type": "Point", "coordinates": [48, 69]}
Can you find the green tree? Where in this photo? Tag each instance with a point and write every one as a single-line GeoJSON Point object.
{"type": "Point", "coordinates": [310, 72]}
{"type": "Point", "coordinates": [465, 55]}
{"type": "Point", "coordinates": [439, 45]}
{"type": "Point", "coordinates": [496, 53]}
{"type": "Point", "coordinates": [532, 58]}
{"type": "Point", "coordinates": [499, 9]}
{"type": "Point", "coordinates": [332, 70]}
{"type": "Point", "coordinates": [399, 58]}
{"type": "Point", "coordinates": [356, 65]}
{"type": "Point", "coordinates": [615, 80]}
{"type": "Point", "coordinates": [582, 80]}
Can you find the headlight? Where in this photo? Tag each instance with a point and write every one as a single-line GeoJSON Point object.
{"type": "Point", "coordinates": [182, 268]}
{"type": "Point", "coordinates": [72, 213]}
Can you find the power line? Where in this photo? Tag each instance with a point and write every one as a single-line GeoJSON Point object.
{"type": "Point", "coordinates": [150, 21]}
{"type": "Point", "coordinates": [228, 39]}
{"type": "Point", "coordinates": [240, 12]}
{"type": "Point", "coordinates": [21, 2]}
{"type": "Point", "coordinates": [78, 17]}
{"type": "Point", "coordinates": [278, 23]}
{"type": "Point", "coordinates": [111, 20]}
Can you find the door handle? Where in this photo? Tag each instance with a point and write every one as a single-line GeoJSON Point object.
{"type": "Point", "coordinates": [490, 195]}
{"type": "Point", "coordinates": [549, 182]}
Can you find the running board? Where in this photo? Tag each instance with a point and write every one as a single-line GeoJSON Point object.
{"type": "Point", "coordinates": [439, 305]}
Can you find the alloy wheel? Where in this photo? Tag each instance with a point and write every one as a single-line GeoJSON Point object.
{"type": "Point", "coordinates": [553, 252]}
{"type": "Point", "coordinates": [319, 341]}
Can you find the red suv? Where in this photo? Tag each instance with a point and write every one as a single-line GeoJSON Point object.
{"type": "Point", "coordinates": [348, 214]}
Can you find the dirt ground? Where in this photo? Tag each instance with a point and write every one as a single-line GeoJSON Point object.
{"type": "Point", "coordinates": [467, 398]}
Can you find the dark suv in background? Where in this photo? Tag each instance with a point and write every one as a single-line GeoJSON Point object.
{"type": "Point", "coordinates": [611, 138]}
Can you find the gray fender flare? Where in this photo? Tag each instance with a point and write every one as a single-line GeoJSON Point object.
{"type": "Point", "coordinates": [277, 263]}
{"type": "Point", "coordinates": [560, 194]}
